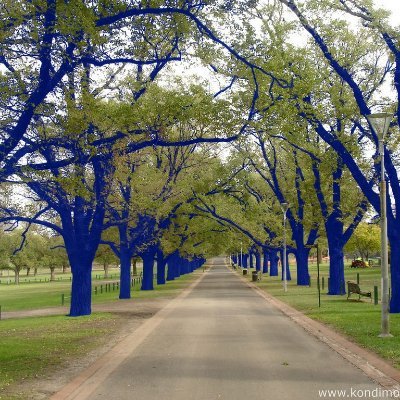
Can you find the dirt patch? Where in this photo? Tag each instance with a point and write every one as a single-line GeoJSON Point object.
{"type": "Point", "coordinates": [129, 315]}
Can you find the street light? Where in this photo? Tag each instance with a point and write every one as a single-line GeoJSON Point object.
{"type": "Point", "coordinates": [380, 124]}
{"type": "Point", "coordinates": [241, 254]}
{"type": "Point", "coordinates": [315, 246]}
{"type": "Point", "coordinates": [284, 207]}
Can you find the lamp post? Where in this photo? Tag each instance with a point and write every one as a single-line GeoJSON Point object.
{"type": "Point", "coordinates": [315, 246]}
{"type": "Point", "coordinates": [284, 207]}
{"type": "Point", "coordinates": [380, 124]}
{"type": "Point", "coordinates": [241, 254]}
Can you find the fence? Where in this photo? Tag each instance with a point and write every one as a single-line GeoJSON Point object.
{"type": "Point", "coordinates": [110, 287]}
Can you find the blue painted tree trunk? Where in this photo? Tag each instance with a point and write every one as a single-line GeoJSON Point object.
{"type": "Point", "coordinates": [161, 263]}
{"type": "Point", "coordinates": [125, 276]}
{"type": "Point", "coordinates": [201, 262]}
{"type": "Point", "coordinates": [258, 261]}
{"type": "Point", "coordinates": [170, 270]}
{"type": "Point", "coordinates": [265, 261]}
{"type": "Point", "coordinates": [178, 267]}
{"type": "Point", "coordinates": [362, 180]}
{"type": "Point", "coordinates": [245, 259]}
{"type": "Point", "coordinates": [336, 270]}
{"type": "Point", "coordinates": [303, 277]}
{"type": "Point", "coordinates": [288, 274]}
{"type": "Point", "coordinates": [334, 226]}
{"type": "Point", "coordinates": [81, 242]}
{"type": "Point", "coordinates": [81, 290]}
{"type": "Point", "coordinates": [185, 268]}
{"type": "Point", "coordinates": [273, 258]}
{"type": "Point", "coordinates": [251, 259]}
{"type": "Point", "coordinates": [172, 266]}
{"type": "Point", "coordinates": [334, 233]}
{"type": "Point", "coordinates": [394, 239]}
{"type": "Point", "coordinates": [148, 270]}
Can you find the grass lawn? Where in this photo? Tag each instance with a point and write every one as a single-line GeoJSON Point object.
{"type": "Point", "coordinates": [34, 347]}
{"type": "Point", "coordinates": [40, 292]}
{"type": "Point", "coordinates": [35, 295]}
{"type": "Point", "coordinates": [7, 277]}
{"type": "Point", "coordinates": [359, 320]}
{"type": "Point", "coordinates": [169, 290]}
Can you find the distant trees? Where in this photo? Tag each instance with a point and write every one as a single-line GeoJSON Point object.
{"type": "Point", "coordinates": [35, 250]}
{"type": "Point", "coordinates": [54, 254]}
{"type": "Point", "coordinates": [12, 259]}
{"type": "Point", "coordinates": [105, 257]}
{"type": "Point", "coordinates": [365, 241]}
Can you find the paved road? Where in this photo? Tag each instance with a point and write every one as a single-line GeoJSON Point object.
{"type": "Point", "coordinates": [223, 341]}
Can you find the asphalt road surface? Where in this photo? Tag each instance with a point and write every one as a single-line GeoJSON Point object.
{"type": "Point", "coordinates": [223, 341]}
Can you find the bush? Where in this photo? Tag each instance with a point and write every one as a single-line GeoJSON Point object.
{"type": "Point", "coordinates": [359, 264]}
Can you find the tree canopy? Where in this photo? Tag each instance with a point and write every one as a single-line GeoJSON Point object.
{"type": "Point", "coordinates": [176, 130]}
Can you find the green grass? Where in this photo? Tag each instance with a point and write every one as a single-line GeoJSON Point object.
{"type": "Point", "coordinates": [43, 275]}
{"type": "Point", "coordinates": [359, 320]}
{"type": "Point", "coordinates": [35, 294]}
{"type": "Point", "coordinates": [34, 347]}
{"type": "Point", "coordinates": [30, 296]}
{"type": "Point", "coordinates": [170, 289]}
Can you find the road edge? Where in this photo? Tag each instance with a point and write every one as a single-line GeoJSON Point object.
{"type": "Point", "coordinates": [370, 363]}
{"type": "Point", "coordinates": [82, 385]}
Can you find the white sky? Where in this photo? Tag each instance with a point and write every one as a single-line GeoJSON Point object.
{"type": "Point", "coordinates": [392, 5]}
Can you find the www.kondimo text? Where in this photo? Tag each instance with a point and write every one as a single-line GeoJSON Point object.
{"type": "Point", "coordinates": [355, 393]}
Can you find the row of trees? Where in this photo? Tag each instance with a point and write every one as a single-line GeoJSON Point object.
{"type": "Point", "coordinates": [38, 250]}
{"type": "Point", "coordinates": [43, 251]}
{"type": "Point", "coordinates": [36, 253]}
{"type": "Point", "coordinates": [355, 67]}
{"type": "Point", "coordinates": [109, 147]}
{"type": "Point", "coordinates": [310, 145]}
{"type": "Point", "coordinates": [81, 109]}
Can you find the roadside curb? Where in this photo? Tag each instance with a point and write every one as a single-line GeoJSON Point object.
{"type": "Point", "coordinates": [371, 364]}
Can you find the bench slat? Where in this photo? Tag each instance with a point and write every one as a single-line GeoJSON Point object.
{"type": "Point", "coordinates": [353, 287]}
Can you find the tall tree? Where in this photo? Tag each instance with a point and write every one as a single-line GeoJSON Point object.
{"type": "Point", "coordinates": [364, 61]}
{"type": "Point", "coordinates": [365, 241]}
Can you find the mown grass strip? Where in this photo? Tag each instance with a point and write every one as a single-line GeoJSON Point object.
{"type": "Point", "coordinates": [33, 347]}
{"type": "Point", "coordinates": [32, 296]}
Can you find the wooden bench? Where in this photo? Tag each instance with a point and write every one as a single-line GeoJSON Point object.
{"type": "Point", "coordinates": [353, 287]}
